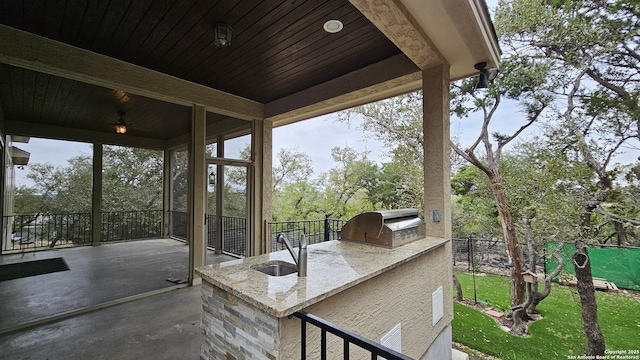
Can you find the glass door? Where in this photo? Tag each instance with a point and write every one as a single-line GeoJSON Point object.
{"type": "Point", "coordinates": [227, 207]}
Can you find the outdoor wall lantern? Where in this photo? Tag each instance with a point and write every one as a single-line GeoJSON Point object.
{"type": "Point", "coordinates": [486, 75]}
{"type": "Point", "coordinates": [121, 125]}
{"type": "Point", "coordinates": [212, 178]}
{"type": "Point", "coordinates": [222, 34]}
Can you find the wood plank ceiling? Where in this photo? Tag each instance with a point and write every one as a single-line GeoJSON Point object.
{"type": "Point", "coordinates": [278, 49]}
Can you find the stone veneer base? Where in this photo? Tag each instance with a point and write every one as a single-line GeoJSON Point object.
{"type": "Point", "coordinates": [234, 329]}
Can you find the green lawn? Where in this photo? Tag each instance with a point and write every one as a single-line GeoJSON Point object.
{"type": "Point", "coordinates": [558, 335]}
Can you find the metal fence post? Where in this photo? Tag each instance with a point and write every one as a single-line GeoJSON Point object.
{"type": "Point", "coordinates": [326, 227]}
{"type": "Point", "coordinates": [469, 250]}
{"type": "Point", "coordinates": [473, 269]}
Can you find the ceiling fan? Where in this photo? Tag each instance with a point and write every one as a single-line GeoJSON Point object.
{"type": "Point", "coordinates": [121, 124]}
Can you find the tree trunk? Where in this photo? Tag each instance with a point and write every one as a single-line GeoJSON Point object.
{"type": "Point", "coordinates": [520, 319]}
{"type": "Point", "coordinates": [595, 339]}
{"type": "Point", "coordinates": [458, 288]}
{"type": "Point", "coordinates": [534, 296]}
{"type": "Point", "coordinates": [511, 241]}
{"type": "Point", "coordinates": [621, 234]}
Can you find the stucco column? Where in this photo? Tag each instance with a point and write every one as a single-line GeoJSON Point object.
{"type": "Point", "coordinates": [196, 203]}
{"type": "Point", "coordinates": [437, 152]}
{"type": "Point", "coordinates": [261, 192]}
{"type": "Point", "coordinates": [167, 192]}
{"type": "Point", "coordinates": [96, 196]}
{"type": "Point", "coordinates": [437, 189]}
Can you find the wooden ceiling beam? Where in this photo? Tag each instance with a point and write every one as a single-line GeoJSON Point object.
{"type": "Point", "coordinates": [228, 128]}
{"type": "Point", "coordinates": [30, 51]}
{"type": "Point", "coordinates": [394, 76]}
{"type": "Point", "coordinates": [22, 128]}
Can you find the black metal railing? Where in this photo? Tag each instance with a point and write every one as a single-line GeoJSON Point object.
{"type": "Point", "coordinates": [42, 231]}
{"type": "Point", "coordinates": [128, 225]}
{"type": "Point", "coordinates": [347, 336]}
{"type": "Point", "coordinates": [234, 231]}
{"type": "Point", "coordinates": [315, 231]}
{"type": "Point", "coordinates": [234, 234]}
{"type": "Point", "coordinates": [178, 223]}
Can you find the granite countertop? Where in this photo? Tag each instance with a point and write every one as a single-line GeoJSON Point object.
{"type": "Point", "coordinates": [332, 267]}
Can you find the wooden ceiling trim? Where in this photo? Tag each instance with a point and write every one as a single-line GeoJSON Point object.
{"type": "Point", "coordinates": [91, 20]}
{"type": "Point", "coordinates": [157, 56]}
{"type": "Point", "coordinates": [398, 25]}
{"type": "Point", "coordinates": [140, 20]}
{"type": "Point", "coordinates": [61, 98]}
{"type": "Point", "coordinates": [204, 44]}
{"type": "Point", "coordinates": [139, 45]}
{"type": "Point", "coordinates": [275, 44]}
{"type": "Point", "coordinates": [53, 18]}
{"type": "Point", "coordinates": [69, 101]}
{"type": "Point", "coordinates": [70, 26]}
{"type": "Point", "coordinates": [391, 88]}
{"type": "Point", "coordinates": [20, 128]}
{"type": "Point", "coordinates": [224, 127]}
{"type": "Point", "coordinates": [209, 54]}
{"type": "Point", "coordinates": [386, 78]}
{"type": "Point", "coordinates": [323, 71]}
{"type": "Point", "coordinates": [289, 58]}
{"type": "Point", "coordinates": [109, 25]}
{"type": "Point", "coordinates": [190, 39]}
{"type": "Point", "coordinates": [15, 80]}
{"type": "Point", "coordinates": [76, 107]}
{"type": "Point", "coordinates": [42, 84]}
{"type": "Point", "coordinates": [83, 110]}
{"type": "Point", "coordinates": [89, 107]}
{"type": "Point", "coordinates": [34, 52]}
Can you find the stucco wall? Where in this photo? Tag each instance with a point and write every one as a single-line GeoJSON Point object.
{"type": "Point", "coordinates": [373, 308]}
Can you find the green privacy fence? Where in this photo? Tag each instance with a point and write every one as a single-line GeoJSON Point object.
{"type": "Point", "coordinates": [621, 265]}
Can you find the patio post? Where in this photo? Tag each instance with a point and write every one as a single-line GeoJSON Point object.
{"type": "Point", "coordinates": [219, 196]}
{"type": "Point", "coordinates": [96, 195]}
{"type": "Point", "coordinates": [437, 151]}
{"type": "Point", "coordinates": [261, 183]}
{"type": "Point", "coordinates": [437, 178]}
{"type": "Point", "coordinates": [167, 192]}
{"type": "Point", "coordinates": [196, 203]}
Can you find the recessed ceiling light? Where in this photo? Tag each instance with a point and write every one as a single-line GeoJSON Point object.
{"type": "Point", "coordinates": [333, 26]}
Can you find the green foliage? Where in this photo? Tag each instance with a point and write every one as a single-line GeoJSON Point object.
{"type": "Point", "coordinates": [342, 192]}
{"type": "Point", "coordinates": [473, 208]}
{"type": "Point", "coordinates": [345, 187]}
{"type": "Point", "coordinates": [598, 37]}
{"type": "Point", "coordinates": [558, 335]}
{"type": "Point", "coordinates": [132, 180]}
{"type": "Point", "coordinates": [61, 189]}
{"type": "Point", "coordinates": [399, 182]}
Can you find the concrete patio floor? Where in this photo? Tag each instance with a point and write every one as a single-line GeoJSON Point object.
{"type": "Point", "coordinates": [98, 275]}
{"type": "Point", "coordinates": [163, 326]}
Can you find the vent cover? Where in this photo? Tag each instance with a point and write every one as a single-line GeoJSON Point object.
{"type": "Point", "coordinates": [437, 305]}
{"type": "Point", "coordinates": [393, 340]}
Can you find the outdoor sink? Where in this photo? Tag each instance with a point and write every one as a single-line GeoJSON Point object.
{"type": "Point", "coordinates": [278, 268]}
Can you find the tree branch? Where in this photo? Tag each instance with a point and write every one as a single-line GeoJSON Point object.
{"type": "Point", "coordinates": [619, 218]}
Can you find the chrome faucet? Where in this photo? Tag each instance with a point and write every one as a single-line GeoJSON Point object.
{"type": "Point", "coordinates": [301, 258]}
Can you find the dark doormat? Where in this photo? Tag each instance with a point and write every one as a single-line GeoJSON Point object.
{"type": "Point", "coordinates": [32, 268]}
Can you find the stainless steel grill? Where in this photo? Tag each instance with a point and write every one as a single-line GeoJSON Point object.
{"type": "Point", "coordinates": [389, 228]}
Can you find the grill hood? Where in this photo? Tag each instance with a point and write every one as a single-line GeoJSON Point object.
{"type": "Point", "coordinates": [387, 228]}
